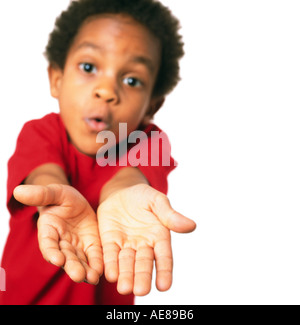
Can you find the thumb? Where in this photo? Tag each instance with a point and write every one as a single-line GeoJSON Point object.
{"type": "Point", "coordinates": [170, 218]}
{"type": "Point", "coordinates": [38, 195]}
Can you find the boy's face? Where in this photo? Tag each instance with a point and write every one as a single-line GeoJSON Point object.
{"type": "Point", "coordinates": [108, 78]}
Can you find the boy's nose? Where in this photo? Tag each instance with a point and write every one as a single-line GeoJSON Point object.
{"type": "Point", "coordinates": [107, 92]}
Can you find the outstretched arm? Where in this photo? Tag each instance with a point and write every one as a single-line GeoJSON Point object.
{"type": "Point", "coordinates": [134, 224]}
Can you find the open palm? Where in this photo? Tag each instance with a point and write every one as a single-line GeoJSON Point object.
{"type": "Point", "coordinates": [67, 229]}
{"type": "Point", "coordinates": [134, 225]}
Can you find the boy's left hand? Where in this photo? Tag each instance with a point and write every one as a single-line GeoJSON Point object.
{"type": "Point", "coordinates": [134, 226]}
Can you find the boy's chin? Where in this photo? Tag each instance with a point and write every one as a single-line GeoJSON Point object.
{"type": "Point", "coordinates": [87, 149]}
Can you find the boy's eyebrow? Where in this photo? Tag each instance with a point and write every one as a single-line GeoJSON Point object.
{"type": "Point", "coordinates": [138, 59]}
{"type": "Point", "coordinates": [89, 44]}
{"type": "Point", "coordinates": [145, 61]}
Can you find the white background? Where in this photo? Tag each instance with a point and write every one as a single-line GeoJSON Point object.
{"type": "Point", "coordinates": [234, 127]}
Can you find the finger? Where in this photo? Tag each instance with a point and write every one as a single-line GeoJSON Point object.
{"type": "Point", "coordinates": [126, 271]}
{"type": "Point", "coordinates": [164, 265]}
{"type": "Point", "coordinates": [95, 258]}
{"type": "Point", "coordinates": [48, 239]}
{"type": "Point", "coordinates": [143, 271]}
{"type": "Point", "coordinates": [111, 264]}
{"type": "Point", "coordinates": [171, 218]}
{"type": "Point", "coordinates": [73, 267]}
{"type": "Point", "coordinates": [91, 275]}
{"type": "Point", "coordinates": [38, 195]}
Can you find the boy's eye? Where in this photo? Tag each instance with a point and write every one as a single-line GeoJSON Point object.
{"type": "Point", "coordinates": [87, 67]}
{"type": "Point", "coordinates": [132, 82]}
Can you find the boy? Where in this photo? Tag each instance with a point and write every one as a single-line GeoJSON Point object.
{"type": "Point", "coordinates": [110, 62]}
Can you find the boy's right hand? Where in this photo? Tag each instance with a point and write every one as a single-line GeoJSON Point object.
{"type": "Point", "coordinates": [67, 229]}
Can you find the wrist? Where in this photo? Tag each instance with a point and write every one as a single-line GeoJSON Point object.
{"type": "Point", "coordinates": [126, 177]}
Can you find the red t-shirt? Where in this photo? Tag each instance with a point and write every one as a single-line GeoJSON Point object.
{"type": "Point", "coordinates": [29, 278]}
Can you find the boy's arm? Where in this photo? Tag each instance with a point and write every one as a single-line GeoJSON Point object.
{"type": "Point", "coordinates": [67, 226]}
{"type": "Point", "coordinates": [134, 224]}
{"type": "Point", "coordinates": [47, 174]}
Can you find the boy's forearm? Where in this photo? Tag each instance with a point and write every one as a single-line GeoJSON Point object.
{"type": "Point", "coordinates": [47, 174]}
{"type": "Point", "coordinates": [126, 177]}
{"type": "Point", "coordinates": [53, 174]}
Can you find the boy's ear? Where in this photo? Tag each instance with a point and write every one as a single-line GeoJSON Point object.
{"type": "Point", "coordinates": [55, 78]}
{"type": "Point", "coordinates": [155, 104]}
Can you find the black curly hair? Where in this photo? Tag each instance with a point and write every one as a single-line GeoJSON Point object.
{"type": "Point", "coordinates": [150, 13]}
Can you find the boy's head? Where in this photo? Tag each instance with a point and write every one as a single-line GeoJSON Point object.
{"type": "Point", "coordinates": [111, 62]}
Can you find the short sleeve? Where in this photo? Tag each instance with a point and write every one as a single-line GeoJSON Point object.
{"type": "Point", "coordinates": [38, 143]}
{"type": "Point", "coordinates": [157, 161]}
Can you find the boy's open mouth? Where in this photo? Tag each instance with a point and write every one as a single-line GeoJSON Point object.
{"type": "Point", "coordinates": [96, 124]}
